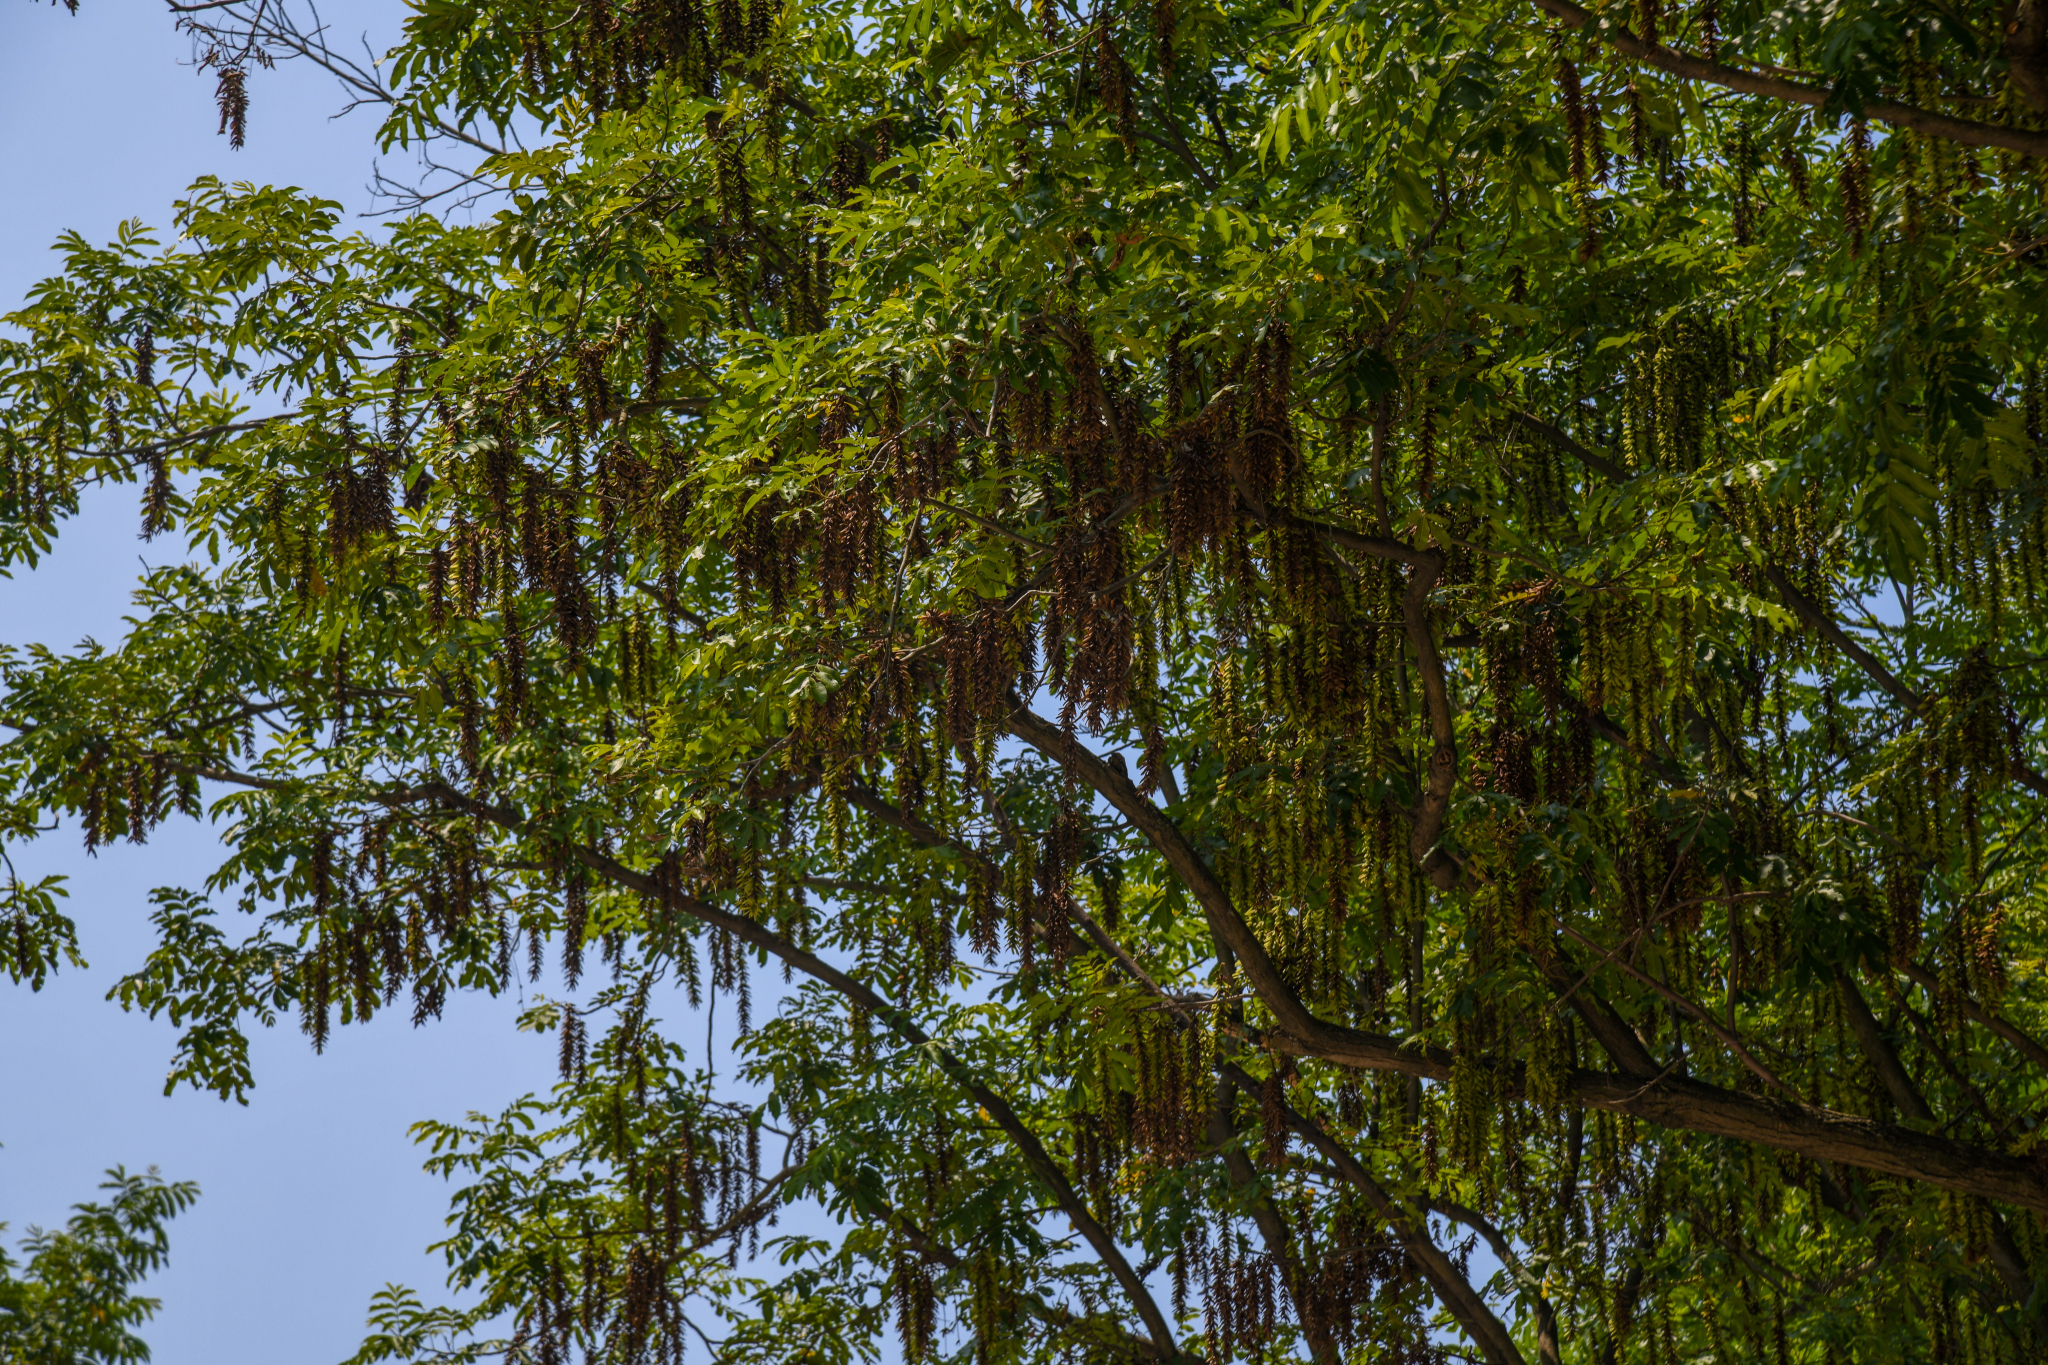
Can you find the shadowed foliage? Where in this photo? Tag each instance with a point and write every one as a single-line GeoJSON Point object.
{"type": "Point", "coordinates": [1315, 638]}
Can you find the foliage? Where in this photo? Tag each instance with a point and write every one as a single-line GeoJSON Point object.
{"type": "Point", "coordinates": [1528, 532]}
{"type": "Point", "coordinates": [71, 1302]}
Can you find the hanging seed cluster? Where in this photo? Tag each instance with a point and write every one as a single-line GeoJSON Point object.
{"type": "Point", "coordinates": [560, 544]}
{"type": "Point", "coordinates": [1463, 614]}
{"type": "Point", "coordinates": [613, 1259]}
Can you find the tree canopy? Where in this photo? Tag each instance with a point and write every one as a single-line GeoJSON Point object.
{"type": "Point", "coordinates": [72, 1301]}
{"type": "Point", "coordinates": [1358, 682]}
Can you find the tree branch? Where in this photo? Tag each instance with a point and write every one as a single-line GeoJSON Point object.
{"type": "Point", "coordinates": [1808, 611]}
{"type": "Point", "coordinates": [271, 26]}
{"type": "Point", "coordinates": [1272, 1227]}
{"type": "Point", "coordinates": [2005, 1253]}
{"type": "Point", "coordinates": [928, 1245]}
{"type": "Point", "coordinates": [1504, 1252]}
{"type": "Point", "coordinates": [895, 1018]}
{"type": "Point", "coordinates": [2011, 1032]}
{"type": "Point", "coordinates": [867, 799]}
{"type": "Point", "coordinates": [2025, 141]}
{"type": "Point", "coordinates": [1452, 1289]}
{"type": "Point", "coordinates": [1804, 607]}
{"type": "Point", "coordinates": [1442, 871]}
{"type": "Point", "coordinates": [1671, 1101]}
{"type": "Point", "coordinates": [1584, 454]}
{"type": "Point", "coordinates": [1883, 1059]}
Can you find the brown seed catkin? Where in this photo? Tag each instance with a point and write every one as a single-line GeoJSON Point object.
{"type": "Point", "coordinates": [231, 94]}
{"type": "Point", "coordinates": [1855, 185]}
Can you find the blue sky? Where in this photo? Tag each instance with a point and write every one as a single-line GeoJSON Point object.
{"type": "Point", "coordinates": [312, 1195]}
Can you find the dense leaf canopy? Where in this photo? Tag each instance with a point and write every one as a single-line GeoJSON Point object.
{"type": "Point", "coordinates": [1374, 671]}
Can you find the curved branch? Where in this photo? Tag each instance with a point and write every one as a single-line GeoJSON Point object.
{"type": "Point", "coordinates": [1452, 1289]}
{"type": "Point", "coordinates": [1426, 567]}
{"type": "Point", "coordinates": [749, 1213]}
{"type": "Point", "coordinates": [2025, 141]}
{"type": "Point", "coordinates": [1379, 547]}
{"type": "Point", "coordinates": [1991, 1019]}
{"type": "Point", "coordinates": [1727, 1036]}
{"type": "Point", "coordinates": [1504, 1252]}
{"type": "Point", "coordinates": [2006, 1258]}
{"type": "Point", "coordinates": [1272, 1227]}
{"type": "Point", "coordinates": [1676, 1102]}
{"type": "Point", "coordinates": [898, 1021]}
{"type": "Point", "coordinates": [1437, 865]}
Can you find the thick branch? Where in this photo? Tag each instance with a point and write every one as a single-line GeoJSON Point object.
{"type": "Point", "coordinates": [1883, 1059]}
{"type": "Point", "coordinates": [1224, 922]}
{"type": "Point", "coordinates": [1671, 1101]}
{"type": "Point", "coordinates": [1822, 1134]}
{"type": "Point", "coordinates": [2025, 141]}
{"type": "Point", "coordinates": [2026, 52]}
{"type": "Point", "coordinates": [1575, 991]}
{"type": "Point", "coordinates": [2005, 1253]}
{"type": "Point", "coordinates": [1425, 567]}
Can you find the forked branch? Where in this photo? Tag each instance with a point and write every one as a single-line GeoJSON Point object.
{"type": "Point", "coordinates": [1453, 1290]}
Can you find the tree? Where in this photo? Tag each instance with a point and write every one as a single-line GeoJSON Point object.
{"type": "Point", "coordinates": [74, 1304]}
{"type": "Point", "coordinates": [1312, 636]}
